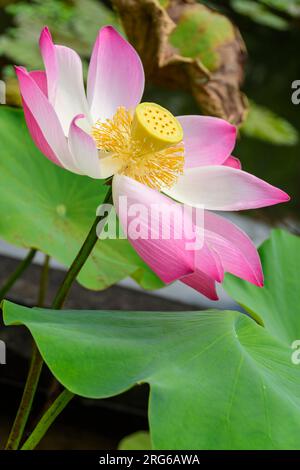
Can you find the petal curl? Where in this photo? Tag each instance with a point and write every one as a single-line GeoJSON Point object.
{"type": "Point", "coordinates": [233, 162]}
{"type": "Point", "coordinates": [201, 283]}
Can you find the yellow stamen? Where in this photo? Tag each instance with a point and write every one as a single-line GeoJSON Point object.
{"type": "Point", "coordinates": [150, 152]}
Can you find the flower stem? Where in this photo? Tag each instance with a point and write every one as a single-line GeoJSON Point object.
{"type": "Point", "coordinates": [26, 401]}
{"type": "Point", "coordinates": [47, 419]}
{"type": "Point", "coordinates": [37, 361]}
{"type": "Point", "coordinates": [44, 282]}
{"type": "Point", "coordinates": [15, 275]}
{"type": "Point", "coordinates": [34, 373]}
{"type": "Point", "coordinates": [76, 266]}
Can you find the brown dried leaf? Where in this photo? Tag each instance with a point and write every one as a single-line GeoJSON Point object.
{"type": "Point", "coordinates": [187, 45]}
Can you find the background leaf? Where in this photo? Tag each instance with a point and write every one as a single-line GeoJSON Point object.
{"type": "Point", "coordinates": [259, 13]}
{"type": "Point", "coordinates": [263, 124]}
{"type": "Point", "coordinates": [74, 24]}
{"type": "Point", "coordinates": [291, 7]}
{"type": "Point", "coordinates": [273, 13]}
{"type": "Point", "coordinates": [217, 379]}
{"type": "Point", "coordinates": [48, 208]}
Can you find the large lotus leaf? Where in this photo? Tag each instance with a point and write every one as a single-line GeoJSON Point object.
{"type": "Point", "coordinates": [217, 379]}
{"type": "Point", "coordinates": [277, 304]}
{"type": "Point", "coordinates": [74, 24]}
{"type": "Point", "coordinates": [48, 208]}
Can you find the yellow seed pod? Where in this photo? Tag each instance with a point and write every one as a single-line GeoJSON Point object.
{"type": "Point", "coordinates": [156, 127]}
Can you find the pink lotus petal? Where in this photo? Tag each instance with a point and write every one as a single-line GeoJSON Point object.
{"type": "Point", "coordinates": [237, 252]}
{"type": "Point", "coordinates": [207, 140]}
{"type": "Point", "coordinates": [40, 78]}
{"type": "Point", "coordinates": [201, 283]}
{"type": "Point", "coordinates": [233, 162]}
{"type": "Point", "coordinates": [43, 123]}
{"type": "Point", "coordinates": [168, 258]}
{"type": "Point", "coordinates": [208, 261]}
{"type": "Point", "coordinates": [224, 188]}
{"type": "Point", "coordinates": [38, 137]}
{"type": "Point", "coordinates": [116, 75]}
{"type": "Point", "coordinates": [65, 81]}
{"type": "Point", "coordinates": [50, 61]}
{"type": "Point", "coordinates": [82, 144]}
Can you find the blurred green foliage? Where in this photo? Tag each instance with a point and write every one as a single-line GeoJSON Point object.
{"type": "Point", "coordinates": [263, 124]}
{"type": "Point", "coordinates": [292, 7]}
{"type": "Point", "coordinates": [74, 24]}
{"type": "Point", "coordinates": [277, 14]}
{"type": "Point", "coordinates": [269, 12]}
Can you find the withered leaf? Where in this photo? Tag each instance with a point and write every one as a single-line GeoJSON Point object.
{"type": "Point", "coordinates": [186, 45]}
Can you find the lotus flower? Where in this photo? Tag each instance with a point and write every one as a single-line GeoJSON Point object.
{"type": "Point", "coordinates": [152, 156]}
